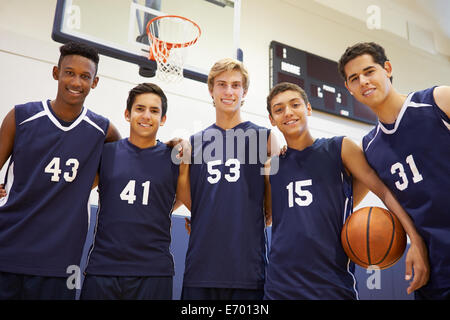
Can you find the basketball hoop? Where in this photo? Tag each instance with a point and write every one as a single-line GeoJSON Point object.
{"type": "Point", "coordinates": [169, 37]}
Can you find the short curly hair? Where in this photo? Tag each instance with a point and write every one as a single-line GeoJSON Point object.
{"type": "Point", "coordinates": [375, 50]}
{"type": "Point", "coordinates": [147, 88]}
{"type": "Point", "coordinates": [282, 87]}
{"type": "Point", "coordinates": [80, 49]}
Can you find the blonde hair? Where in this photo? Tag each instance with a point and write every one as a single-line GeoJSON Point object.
{"type": "Point", "coordinates": [228, 64]}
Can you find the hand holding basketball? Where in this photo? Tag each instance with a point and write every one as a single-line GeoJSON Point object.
{"type": "Point", "coordinates": [415, 266]}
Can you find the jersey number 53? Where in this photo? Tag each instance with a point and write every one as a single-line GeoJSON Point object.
{"type": "Point", "coordinates": [234, 171]}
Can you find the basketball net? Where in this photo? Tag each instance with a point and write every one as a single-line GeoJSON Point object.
{"type": "Point", "coordinates": [169, 38]}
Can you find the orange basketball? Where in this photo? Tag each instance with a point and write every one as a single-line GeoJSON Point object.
{"type": "Point", "coordinates": [373, 236]}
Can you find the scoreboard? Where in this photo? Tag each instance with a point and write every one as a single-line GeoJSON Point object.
{"type": "Point", "coordinates": [320, 79]}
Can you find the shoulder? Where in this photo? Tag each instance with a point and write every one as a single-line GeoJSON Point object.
{"type": "Point", "coordinates": [32, 105]}
{"type": "Point", "coordinates": [251, 125]}
{"type": "Point", "coordinates": [423, 96]}
{"type": "Point", "coordinates": [109, 147]}
{"type": "Point", "coordinates": [199, 134]}
{"type": "Point", "coordinates": [97, 118]}
{"type": "Point", "coordinates": [28, 109]}
{"type": "Point", "coordinates": [369, 137]}
{"type": "Point", "coordinates": [330, 144]}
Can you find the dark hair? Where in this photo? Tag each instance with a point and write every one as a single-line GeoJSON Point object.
{"type": "Point", "coordinates": [147, 88]}
{"type": "Point", "coordinates": [282, 87]}
{"type": "Point", "coordinates": [80, 49]}
{"type": "Point", "coordinates": [371, 48]}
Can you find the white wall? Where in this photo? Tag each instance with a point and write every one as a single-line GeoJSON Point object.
{"type": "Point", "coordinates": [27, 55]}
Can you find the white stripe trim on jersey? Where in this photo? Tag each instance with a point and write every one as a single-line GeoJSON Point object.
{"type": "Point", "coordinates": [94, 235]}
{"type": "Point", "coordinates": [92, 123]}
{"type": "Point", "coordinates": [373, 139]}
{"type": "Point", "coordinates": [346, 204]}
{"type": "Point", "coordinates": [37, 115]}
{"type": "Point", "coordinates": [406, 104]}
{"type": "Point", "coordinates": [58, 124]}
{"type": "Point", "coordinates": [446, 124]}
{"type": "Point", "coordinates": [354, 279]}
{"type": "Point", "coordinates": [399, 118]}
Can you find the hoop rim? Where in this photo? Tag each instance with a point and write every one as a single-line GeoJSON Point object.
{"type": "Point", "coordinates": [173, 44]}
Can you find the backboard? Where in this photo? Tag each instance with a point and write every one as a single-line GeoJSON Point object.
{"type": "Point", "coordinates": [117, 28]}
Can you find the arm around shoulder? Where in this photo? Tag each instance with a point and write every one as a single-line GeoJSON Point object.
{"type": "Point", "coordinates": [442, 97]}
{"type": "Point", "coordinates": [183, 195]}
{"type": "Point", "coordinates": [267, 194]}
{"type": "Point", "coordinates": [273, 147]}
{"type": "Point", "coordinates": [112, 134]}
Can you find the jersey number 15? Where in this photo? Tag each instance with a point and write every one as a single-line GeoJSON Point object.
{"type": "Point", "coordinates": [304, 197]}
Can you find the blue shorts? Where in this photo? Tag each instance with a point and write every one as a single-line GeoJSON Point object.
{"type": "Point", "coordinates": [194, 293]}
{"type": "Point", "coordinates": [28, 287]}
{"type": "Point", "coordinates": [126, 288]}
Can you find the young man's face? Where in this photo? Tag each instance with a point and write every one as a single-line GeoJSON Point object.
{"type": "Point", "coordinates": [145, 116]}
{"type": "Point", "coordinates": [76, 77]}
{"type": "Point", "coordinates": [228, 91]}
{"type": "Point", "coordinates": [368, 81]}
{"type": "Point", "coordinates": [289, 112]}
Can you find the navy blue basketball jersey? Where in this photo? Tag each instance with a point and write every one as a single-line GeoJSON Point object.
{"type": "Point", "coordinates": [311, 198]}
{"type": "Point", "coordinates": [136, 195]}
{"type": "Point", "coordinates": [44, 217]}
{"type": "Point", "coordinates": [412, 157]}
{"type": "Point", "coordinates": [227, 245]}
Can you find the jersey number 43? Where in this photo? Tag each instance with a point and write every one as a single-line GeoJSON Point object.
{"type": "Point", "coordinates": [54, 167]}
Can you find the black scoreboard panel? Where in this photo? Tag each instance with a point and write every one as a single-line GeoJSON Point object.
{"type": "Point", "coordinates": [320, 79]}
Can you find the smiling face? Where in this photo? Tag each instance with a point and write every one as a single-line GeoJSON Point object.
{"type": "Point", "coordinates": [367, 80]}
{"type": "Point", "coordinates": [228, 91]}
{"type": "Point", "coordinates": [145, 119]}
{"type": "Point", "coordinates": [76, 77]}
{"type": "Point", "coordinates": [289, 113]}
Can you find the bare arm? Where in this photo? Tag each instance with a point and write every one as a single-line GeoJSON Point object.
{"type": "Point", "coordinates": [359, 190]}
{"type": "Point", "coordinates": [417, 259]}
{"type": "Point", "coordinates": [7, 135]}
{"type": "Point", "coordinates": [183, 195]}
{"type": "Point", "coordinates": [442, 97]}
{"type": "Point", "coordinates": [112, 134]}
{"type": "Point", "coordinates": [273, 147]}
{"type": "Point", "coordinates": [95, 181]}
